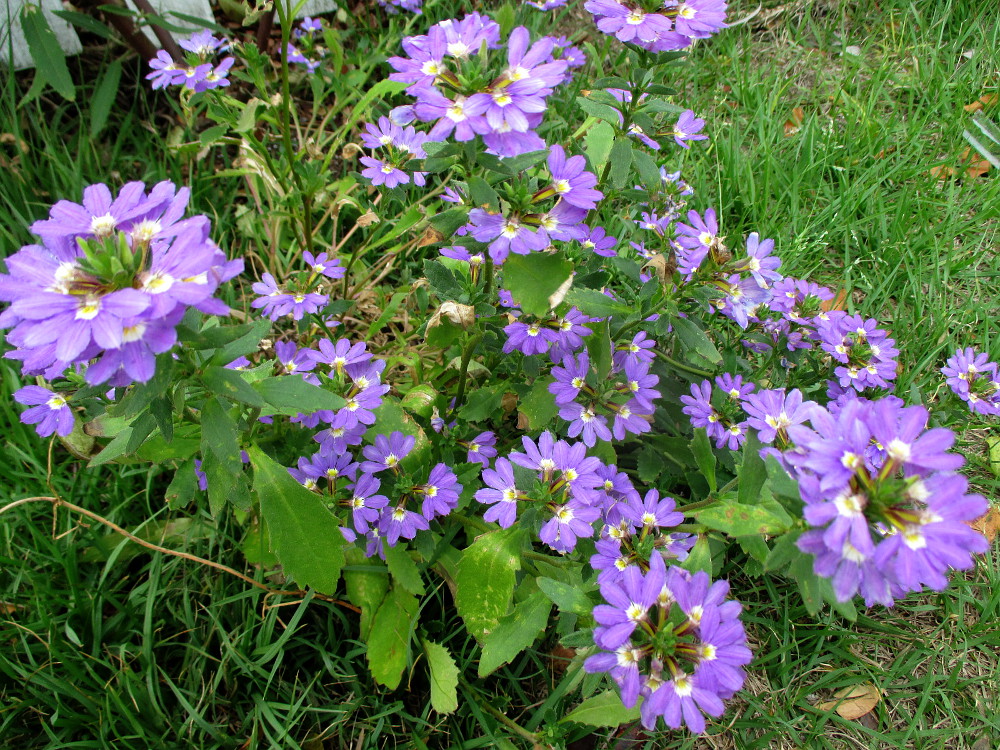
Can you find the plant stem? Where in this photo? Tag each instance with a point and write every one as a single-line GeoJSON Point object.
{"type": "Point", "coordinates": [463, 372]}
{"type": "Point", "coordinates": [499, 715]}
{"type": "Point", "coordinates": [60, 503]}
{"type": "Point", "coordinates": [680, 366]}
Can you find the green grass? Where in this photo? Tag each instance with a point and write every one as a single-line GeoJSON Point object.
{"type": "Point", "coordinates": [105, 645]}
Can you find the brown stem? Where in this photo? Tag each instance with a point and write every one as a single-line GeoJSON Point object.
{"type": "Point", "coordinates": [263, 34]}
{"type": "Point", "coordinates": [125, 26]}
{"type": "Point", "coordinates": [166, 40]}
{"type": "Point", "coordinates": [59, 502]}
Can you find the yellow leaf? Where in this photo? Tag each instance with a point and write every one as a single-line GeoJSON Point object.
{"type": "Point", "coordinates": [853, 702]}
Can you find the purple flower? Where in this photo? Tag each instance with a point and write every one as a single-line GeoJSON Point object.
{"type": "Point", "coordinates": [321, 264]}
{"type": "Point", "coordinates": [387, 453]}
{"type": "Point", "coordinates": [480, 448]}
{"type": "Point", "coordinates": [49, 411]}
{"type": "Point", "coordinates": [440, 492]}
{"type": "Point", "coordinates": [599, 241]}
{"type": "Point", "coordinates": [366, 506]}
{"type": "Point", "coordinates": [688, 128]}
{"type": "Point", "coordinates": [975, 380]}
{"type": "Point", "coordinates": [570, 180]}
{"type": "Point", "coordinates": [399, 522]}
{"type": "Point", "coordinates": [759, 261]}
{"type": "Point", "coordinates": [501, 493]}
{"type": "Point", "coordinates": [569, 522]}
{"type": "Point", "coordinates": [772, 412]}
{"type": "Point", "coordinates": [342, 356]}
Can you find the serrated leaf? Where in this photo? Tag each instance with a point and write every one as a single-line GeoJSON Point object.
{"type": "Point", "coordinates": [304, 534]}
{"type": "Point", "coordinates": [367, 583]}
{"type": "Point", "coordinates": [621, 163]}
{"type": "Point", "coordinates": [783, 551]}
{"type": "Point", "coordinates": [704, 456]}
{"type": "Point", "coordinates": [290, 394]}
{"type": "Point", "coordinates": [700, 557]}
{"type": "Point", "coordinates": [695, 340]}
{"type": "Point", "coordinates": [566, 597]}
{"type": "Point", "coordinates": [389, 640]}
{"type": "Point", "coordinates": [597, 145]}
{"type": "Point", "coordinates": [515, 632]}
{"type": "Point", "coordinates": [441, 279]}
{"type": "Point", "coordinates": [230, 383]}
{"type": "Point", "coordinates": [539, 405]}
{"type": "Point", "coordinates": [483, 403]}
{"type": "Point", "coordinates": [485, 580]}
{"type": "Point", "coordinates": [444, 678]}
{"type": "Point", "coordinates": [404, 570]}
{"type": "Point", "coordinates": [483, 194]}
{"type": "Point", "coordinates": [594, 303]}
{"type": "Point", "coordinates": [533, 279]}
{"type": "Point", "coordinates": [603, 710]}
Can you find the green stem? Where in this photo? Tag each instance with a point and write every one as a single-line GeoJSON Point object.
{"type": "Point", "coordinates": [489, 275]}
{"type": "Point", "coordinates": [500, 716]}
{"type": "Point", "coordinates": [713, 498]}
{"type": "Point", "coordinates": [680, 366]}
{"type": "Point", "coordinates": [463, 372]}
{"type": "Point", "coordinates": [285, 17]}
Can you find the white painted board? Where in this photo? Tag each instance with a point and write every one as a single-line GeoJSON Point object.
{"type": "Point", "coordinates": [12, 42]}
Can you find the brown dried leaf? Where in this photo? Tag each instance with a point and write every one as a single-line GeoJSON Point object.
{"type": "Point", "coordinates": [837, 303]}
{"type": "Point", "coordinates": [7, 608]}
{"type": "Point", "coordinates": [988, 524]}
{"type": "Point", "coordinates": [853, 702]}
{"type": "Point", "coordinates": [368, 218]}
{"type": "Point", "coordinates": [986, 100]}
{"type": "Point", "coordinates": [522, 421]}
{"type": "Point", "coordinates": [431, 236]}
{"type": "Point", "coordinates": [794, 123]}
{"type": "Point", "coordinates": [970, 166]}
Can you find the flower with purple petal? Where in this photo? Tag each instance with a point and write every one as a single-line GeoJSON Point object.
{"type": "Point", "coordinates": [48, 411]}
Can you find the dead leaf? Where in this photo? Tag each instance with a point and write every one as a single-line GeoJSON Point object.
{"type": "Point", "coordinates": [986, 100]}
{"type": "Point", "coordinates": [988, 524]}
{"type": "Point", "coordinates": [508, 402]}
{"type": "Point", "coordinates": [522, 421]}
{"type": "Point", "coordinates": [970, 166]}
{"type": "Point", "coordinates": [7, 608]}
{"type": "Point", "coordinates": [853, 702]}
{"type": "Point", "coordinates": [794, 123]}
{"type": "Point", "coordinates": [431, 236]}
{"type": "Point", "coordinates": [368, 218]}
{"type": "Point", "coordinates": [839, 302]}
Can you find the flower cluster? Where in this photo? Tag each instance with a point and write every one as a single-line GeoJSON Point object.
{"type": "Point", "coordinates": [720, 410]}
{"type": "Point", "coordinates": [198, 72]}
{"type": "Point", "coordinates": [299, 298]}
{"type": "Point", "coordinates": [110, 282]}
{"type": "Point", "coordinates": [398, 145]}
{"type": "Point", "coordinates": [558, 335]}
{"type": "Point", "coordinates": [541, 212]}
{"type": "Point", "coordinates": [307, 52]}
{"type": "Point", "coordinates": [888, 513]}
{"type": "Point", "coordinates": [659, 26]}
{"type": "Point", "coordinates": [626, 395]}
{"type": "Point", "coordinates": [466, 91]}
{"type": "Point", "coordinates": [975, 380]}
{"type": "Point", "coordinates": [865, 354]}
{"type": "Point", "coordinates": [672, 638]}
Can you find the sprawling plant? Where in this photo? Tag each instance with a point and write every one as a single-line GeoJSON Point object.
{"type": "Point", "coordinates": [598, 400]}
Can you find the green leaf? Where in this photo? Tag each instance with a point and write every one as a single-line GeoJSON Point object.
{"type": "Point", "coordinates": [389, 640]}
{"type": "Point", "coordinates": [482, 194]}
{"type": "Point", "coordinates": [248, 117]}
{"type": "Point", "coordinates": [442, 281]}
{"type": "Point", "coordinates": [801, 571]}
{"type": "Point", "coordinates": [539, 406]}
{"type": "Point", "coordinates": [389, 418]}
{"type": "Point", "coordinates": [752, 472]}
{"type": "Point", "coordinates": [601, 111]}
{"type": "Point", "coordinates": [700, 557]}
{"type": "Point", "coordinates": [783, 551]}
{"type": "Point", "coordinates": [649, 464]}
{"type": "Point", "coordinates": [534, 280]}
{"type": "Point", "coordinates": [83, 21]}
{"type": "Point", "coordinates": [568, 598]}
{"type": "Point", "coordinates": [515, 632]}
{"type": "Point", "coordinates": [695, 341]}
{"type": "Point", "coordinates": [704, 456]}
{"type": "Point", "coordinates": [218, 435]}
{"type": "Point", "coordinates": [483, 403]}
{"type": "Point", "coordinates": [290, 394]}
{"type": "Point", "coordinates": [648, 170]}
{"type": "Point", "coordinates": [367, 582]}
{"type": "Point", "coordinates": [404, 570]}
{"type": "Point", "coordinates": [446, 222]}
{"type": "Point", "coordinates": [104, 97]}
{"type": "Point", "coordinates": [304, 534]}
{"type": "Point", "coordinates": [420, 400]}
{"type": "Point", "coordinates": [592, 302]}
{"type": "Point", "coordinates": [484, 584]}
{"type": "Point", "coordinates": [599, 349]}
{"type": "Point", "coordinates": [182, 487]}
{"type": "Point", "coordinates": [597, 146]}
{"type": "Point", "coordinates": [737, 519]}
{"type": "Point", "coordinates": [444, 678]}
{"type": "Point", "coordinates": [231, 384]}
{"type": "Point", "coordinates": [50, 62]}
{"type": "Point", "coordinates": [603, 710]}
{"type": "Point", "coordinates": [621, 163]}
